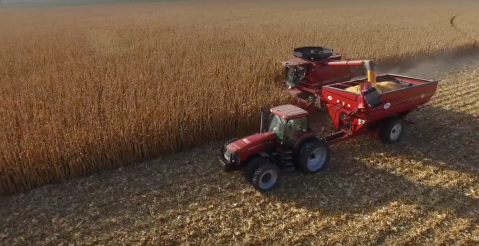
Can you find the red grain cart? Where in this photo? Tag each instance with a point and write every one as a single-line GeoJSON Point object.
{"type": "Point", "coordinates": [368, 112]}
{"type": "Point", "coordinates": [287, 143]}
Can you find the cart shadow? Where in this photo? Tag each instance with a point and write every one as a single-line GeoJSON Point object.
{"type": "Point", "coordinates": [439, 137]}
{"type": "Point", "coordinates": [442, 144]}
{"type": "Point", "coordinates": [442, 138]}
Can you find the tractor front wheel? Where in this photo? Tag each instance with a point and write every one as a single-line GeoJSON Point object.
{"type": "Point", "coordinates": [265, 177]}
{"type": "Point", "coordinates": [251, 167]}
{"type": "Point", "coordinates": [315, 156]}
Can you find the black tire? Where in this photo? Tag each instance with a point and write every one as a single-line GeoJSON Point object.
{"type": "Point", "coordinates": [251, 167]}
{"type": "Point", "coordinates": [223, 148]}
{"type": "Point", "coordinates": [266, 177]}
{"type": "Point", "coordinates": [391, 131]}
{"type": "Point", "coordinates": [317, 149]}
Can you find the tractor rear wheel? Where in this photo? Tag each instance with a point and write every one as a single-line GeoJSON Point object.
{"type": "Point", "coordinates": [315, 155]}
{"type": "Point", "coordinates": [391, 131]}
{"type": "Point", "coordinates": [266, 176]}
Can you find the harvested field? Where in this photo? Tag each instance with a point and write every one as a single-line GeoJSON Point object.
{"type": "Point", "coordinates": [421, 191]}
{"type": "Point", "coordinates": [92, 88]}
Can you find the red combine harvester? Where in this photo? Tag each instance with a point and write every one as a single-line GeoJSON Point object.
{"type": "Point", "coordinates": [287, 143]}
{"type": "Point", "coordinates": [311, 68]}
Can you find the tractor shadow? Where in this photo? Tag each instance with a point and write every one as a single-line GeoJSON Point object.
{"type": "Point", "coordinates": [366, 174]}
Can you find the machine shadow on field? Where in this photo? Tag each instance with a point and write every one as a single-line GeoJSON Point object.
{"type": "Point", "coordinates": [366, 174]}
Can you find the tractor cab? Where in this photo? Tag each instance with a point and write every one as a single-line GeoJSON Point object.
{"type": "Point", "coordinates": [287, 122]}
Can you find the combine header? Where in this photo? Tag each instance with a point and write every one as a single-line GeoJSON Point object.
{"type": "Point", "coordinates": [376, 106]}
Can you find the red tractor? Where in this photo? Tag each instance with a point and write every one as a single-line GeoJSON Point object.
{"type": "Point", "coordinates": [287, 143]}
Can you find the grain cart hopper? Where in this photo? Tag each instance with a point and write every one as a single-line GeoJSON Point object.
{"type": "Point", "coordinates": [287, 143]}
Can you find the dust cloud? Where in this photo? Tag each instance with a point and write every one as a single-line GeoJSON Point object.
{"type": "Point", "coordinates": [433, 67]}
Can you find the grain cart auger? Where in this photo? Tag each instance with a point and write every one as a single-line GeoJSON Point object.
{"type": "Point", "coordinates": [357, 107]}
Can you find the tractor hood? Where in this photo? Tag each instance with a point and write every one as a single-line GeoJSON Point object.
{"type": "Point", "coordinates": [251, 142]}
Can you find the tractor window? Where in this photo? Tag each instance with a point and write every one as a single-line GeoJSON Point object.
{"type": "Point", "coordinates": [287, 130]}
{"type": "Point", "coordinates": [277, 126]}
{"type": "Point", "coordinates": [305, 126]}
{"type": "Point", "coordinates": [293, 129]}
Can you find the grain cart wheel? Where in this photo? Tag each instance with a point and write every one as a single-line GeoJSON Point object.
{"type": "Point", "coordinates": [266, 176]}
{"type": "Point", "coordinates": [391, 131]}
{"type": "Point", "coordinates": [315, 156]}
